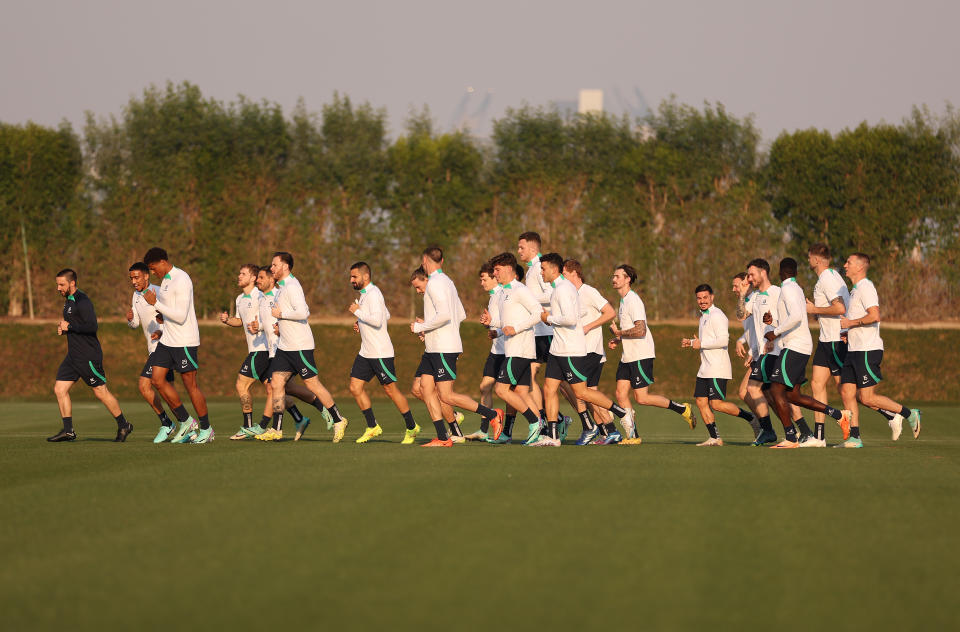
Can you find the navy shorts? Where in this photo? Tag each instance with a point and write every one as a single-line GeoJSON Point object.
{"type": "Point", "coordinates": [296, 362]}
{"type": "Point", "coordinates": [179, 359]}
{"type": "Point", "coordinates": [256, 366]}
{"type": "Point", "coordinates": [543, 348]}
{"type": "Point", "coordinates": [491, 367]}
{"type": "Point", "coordinates": [515, 372]}
{"type": "Point", "coordinates": [830, 355]}
{"type": "Point", "coordinates": [862, 368]}
{"type": "Point", "coordinates": [147, 370]}
{"type": "Point", "coordinates": [367, 368]}
{"type": "Point", "coordinates": [594, 367]}
{"type": "Point", "coordinates": [791, 369]}
{"type": "Point", "coordinates": [639, 373]}
{"type": "Point", "coordinates": [572, 369]}
{"type": "Point", "coordinates": [711, 388]}
{"type": "Point", "coordinates": [90, 371]}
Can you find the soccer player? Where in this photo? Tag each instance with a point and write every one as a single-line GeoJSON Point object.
{"type": "Point", "coordinates": [495, 359]}
{"type": "Point", "coordinates": [142, 314]}
{"type": "Point", "coordinates": [567, 360]}
{"type": "Point", "coordinates": [295, 347]}
{"type": "Point", "coordinates": [376, 354]}
{"type": "Point", "coordinates": [711, 340]}
{"type": "Point", "coordinates": [763, 300]}
{"type": "Point", "coordinates": [861, 368]}
{"type": "Point", "coordinates": [635, 371]}
{"type": "Point", "coordinates": [84, 359]}
{"type": "Point", "coordinates": [596, 313]}
{"type": "Point", "coordinates": [443, 312]}
{"type": "Point", "coordinates": [513, 319]}
{"type": "Point", "coordinates": [792, 335]}
{"type": "Point", "coordinates": [746, 348]}
{"type": "Point", "coordinates": [177, 350]}
{"type": "Point", "coordinates": [528, 250]}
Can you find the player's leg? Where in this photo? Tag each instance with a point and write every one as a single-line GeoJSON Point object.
{"type": "Point", "coordinates": [848, 393]}
{"type": "Point", "coordinates": [199, 401]}
{"type": "Point", "coordinates": [431, 397]}
{"type": "Point", "coordinates": [66, 376]}
{"type": "Point", "coordinates": [709, 420]}
{"type": "Point", "coordinates": [487, 384]}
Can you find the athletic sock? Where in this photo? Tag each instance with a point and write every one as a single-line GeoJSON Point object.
{"type": "Point", "coordinates": [164, 420]}
{"type": "Point", "coordinates": [604, 431]}
{"type": "Point", "coordinates": [617, 410]}
{"type": "Point", "coordinates": [295, 413]}
{"type": "Point", "coordinates": [316, 404]}
{"type": "Point", "coordinates": [335, 413]}
{"type": "Point", "coordinates": [508, 425]}
{"type": "Point", "coordinates": [441, 430]}
{"type": "Point", "coordinates": [484, 425]}
{"type": "Point", "coordinates": [121, 422]}
{"type": "Point", "coordinates": [802, 425]}
{"type": "Point", "coordinates": [818, 430]}
{"type": "Point", "coordinates": [766, 424]}
{"type": "Point", "coordinates": [886, 414]}
{"type": "Point", "coordinates": [608, 429]}
{"type": "Point", "coordinates": [531, 416]}
{"type": "Point", "coordinates": [855, 432]}
{"type": "Point", "coordinates": [677, 407]}
{"type": "Point", "coordinates": [486, 413]}
{"type": "Point", "coordinates": [712, 429]}
{"type": "Point", "coordinates": [585, 421]}
{"type": "Point", "coordinates": [833, 412]}
{"type": "Point", "coordinates": [278, 420]}
{"type": "Point", "coordinates": [743, 414]}
{"type": "Point", "coordinates": [455, 429]}
{"type": "Point", "coordinates": [204, 422]}
{"type": "Point", "coordinates": [905, 412]}
{"type": "Point", "coordinates": [264, 422]}
{"type": "Point", "coordinates": [180, 412]}
{"type": "Point", "coordinates": [408, 420]}
{"type": "Point", "coordinates": [248, 420]}
{"type": "Point", "coordinates": [790, 433]}
{"type": "Point", "coordinates": [68, 424]}
{"type": "Point", "coordinates": [552, 430]}
{"type": "Point", "coordinates": [368, 415]}
{"type": "Point", "coordinates": [543, 414]}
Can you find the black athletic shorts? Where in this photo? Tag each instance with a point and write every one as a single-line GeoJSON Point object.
{"type": "Point", "coordinates": [367, 368]}
{"type": "Point", "coordinates": [297, 362]}
{"type": "Point", "coordinates": [755, 371]}
{"type": "Point", "coordinates": [90, 371]}
{"type": "Point", "coordinates": [422, 368]}
{"type": "Point", "coordinates": [442, 366]}
{"type": "Point", "coordinates": [147, 371]}
{"type": "Point", "coordinates": [639, 373]}
{"type": "Point", "coordinates": [862, 368]}
{"type": "Point", "coordinates": [711, 388]}
{"type": "Point", "coordinates": [572, 369]}
{"type": "Point", "coordinates": [543, 348]}
{"type": "Point", "coordinates": [179, 359]}
{"type": "Point", "coordinates": [791, 369]}
{"type": "Point", "coordinates": [493, 364]}
{"type": "Point", "coordinates": [767, 363]}
{"type": "Point", "coordinates": [256, 366]}
{"type": "Point", "coordinates": [515, 372]}
{"type": "Point", "coordinates": [830, 355]}
{"type": "Point", "coordinates": [594, 367]}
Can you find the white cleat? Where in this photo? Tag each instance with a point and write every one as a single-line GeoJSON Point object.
{"type": "Point", "coordinates": [896, 426]}
{"type": "Point", "coordinates": [712, 442]}
{"type": "Point", "coordinates": [629, 425]}
{"type": "Point", "coordinates": [457, 438]}
{"type": "Point", "coordinates": [546, 442]}
{"type": "Point", "coordinates": [813, 442]}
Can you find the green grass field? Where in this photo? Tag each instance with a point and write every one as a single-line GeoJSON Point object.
{"type": "Point", "coordinates": [247, 535]}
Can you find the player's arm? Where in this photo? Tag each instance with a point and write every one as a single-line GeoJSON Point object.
{"type": "Point", "coordinates": [176, 309]}
{"type": "Point", "coordinates": [83, 320]}
{"type": "Point", "coordinates": [134, 322]}
{"type": "Point", "coordinates": [873, 316]}
{"type": "Point", "coordinates": [533, 307]}
{"type": "Point", "coordinates": [538, 289]}
{"type": "Point", "coordinates": [298, 310]}
{"type": "Point", "coordinates": [566, 314]}
{"type": "Point", "coordinates": [794, 318]}
{"type": "Point", "coordinates": [607, 314]}
{"type": "Point", "coordinates": [835, 308]}
{"type": "Point", "coordinates": [442, 309]}
{"type": "Point", "coordinates": [717, 334]}
{"type": "Point", "coordinates": [373, 312]}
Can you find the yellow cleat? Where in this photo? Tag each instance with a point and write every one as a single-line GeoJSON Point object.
{"type": "Point", "coordinates": [633, 441]}
{"type": "Point", "coordinates": [339, 428]}
{"type": "Point", "coordinates": [271, 435]}
{"type": "Point", "coordinates": [410, 435]}
{"type": "Point", "coordinates": [370, 433]}
{"type": "Point", "coordinates": [689, 416]}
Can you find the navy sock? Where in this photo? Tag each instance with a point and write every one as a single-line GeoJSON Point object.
{"type": "Point", "coordinates": [295, 413]}
{"type": "Point", "coordinates": [743, 414]}
{"type": "Point", "coordinates": [833, 412]}
{"type": "Point", "coordinates": [585, 420]}
{"type": "Point", "coordinates": [68, 424]}
{"type": "Point", "coordinates": [484, 425]}
{"type": "Point", "coordinates": [712, 429]}
{"type": "Point", "coordinates": [552, 430]}
{"type": "Point", "coordinates": [264, 422]}
{"type": "Point", "coordinates": [248, 420]}
{"type": "Point", "coordinates": [164, 420]}
{"type": "Point", "coordinates": [335, 413]}
{"type": "Point", "coordinates": [181, 414]}
{"type": "Point", "coordinates": [455, 429]}
{"type": "Point", "coordinates": [609, 429]}
{"type": "Point", "coordinates": [616, 410]}
{"type": "Point", "coordinates": [802, 425]}
{"type": "Point", "coordinates": [543, 414]}
{"type": "Point", "coordinates": [531, 416]}
{"type": "Point", "coordinates": [441, 430]}
{"type": "Point", "coordinates": [408, 420]}
{"type": "Point", "coordinates": [855, 432]}
{"type": "Point", "coordinates": [905, 412]}
{"type": "Point", "coordinates": [278, 420]}
{"type": "Point", "coordinates": [316, 404]}
{"type": "Point", "coordinates": [886, 414]}
{"type": "Point", "coordinates": [368, 415]}
{"type": "Point", "coordinates": [766, 424]}
{"type": "Point", "coordinates": [486, 413]}
{"type": "Point", "coordinates": [790, 433]}
{"type": "Point", "coordinates": [204, 422]}
{"type": "Point", "coordinates": [121, 422]}
{"type": "Point", "coordinates": [508, 425]}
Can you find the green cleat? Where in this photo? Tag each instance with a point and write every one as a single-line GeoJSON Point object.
{"type": "Point", "coordinates": [187, 430]}
{"type": "Point", "coordinates": [301, 428]}
{"type": "Point", "coordinates": [327, 417]}
{"type": "Point", "coordinates": [533, 434]}
{"type": "Point", "coordinates": [204, 435]}
{"type": "Point", "coordinates": [253, 431]}
{"type": "Point", "coordinates": [914, 421]}
{"type": "Point", "coordinates": [501, 440]}
{"type": "Point", "coordinates": [163, 434]}
{"type": "Point", "coordinates": [852, 442]}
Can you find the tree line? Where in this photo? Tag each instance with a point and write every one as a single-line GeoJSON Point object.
{"type": "Point", "coordinates": [687, 195]}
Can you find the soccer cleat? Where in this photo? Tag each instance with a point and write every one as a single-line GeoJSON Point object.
{"type": "Point", "coordinates": [63, 435]}
{"type": "Point", "coordinates": [457, 438]}
{"type": "Point", "coordinates": [844, 423]}
{"type": "Point", "coordinates": [852, 442]}
{"type": "Point", "coordinates": [587, 436]}
{"type": "Point", "coordinates": [632, 441]}
{"type": "Point", "coordinates": [204, 435]}
{"type": "Point", "coordinates": [438, 443]}
{"type": "Point", "coordinates": [545, 442]}
{"type": "Point", "coordinates": [629, 425]}
{"type": "Point", "coordinates": [914, 421]}
{"type": "Point", "coordinates": [370, 433]}
{"type": "Point", "coordinates": [501, 440]}
{"type": "Point", "coordinates": [785, 445]}
{"type": "Point", "coordinates": [479, 435]}
{"type": "Point", "coordinates": [410, 434]}
{"type": "Point", "coordinates": [458, 417]}
{"type": "Point", "coordinates": [533, 434]}
{"type": "Point", "coordinates": [610, 439]}
{"type": "Point", "coordinates": [711, 442]}
{"type": "Point", "coordinates": [271, 434]}
{"type": "Point", "coordinates": [327, 417]}
{"type": "Point", "coordinates": [689, 416]}
{"type": "Point", "coordinates": [496, 424]}
{"type": "Point", "coordinates": [896, 426]}
{"type": "Point", "coordinates": [765, 436]}
{"type": "Point", "coordinates": [339, 428]}
{"type": "Point", "coordinates": [563, 427]}
{"type": "Point", "coordinates": [812, 442]}
{"type": "Point", "coordinates": [253, 431]}
{"type": "Point", "coordinates": [301, 427]}
{"type": "Point", "coordinates": [240, 435]}
{"type": "Point", "coordinates": [123, 433]}
{"type": "Point", "coordinates": [187, 429]}
{"type": "Point", "coordinates": [163, 434]}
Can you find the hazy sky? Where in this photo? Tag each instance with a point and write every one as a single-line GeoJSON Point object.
{"type": "Point", "coordinates": [793, 64]}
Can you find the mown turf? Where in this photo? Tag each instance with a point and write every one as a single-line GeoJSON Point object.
{"type": "Point", "coordinates": [311, 535]}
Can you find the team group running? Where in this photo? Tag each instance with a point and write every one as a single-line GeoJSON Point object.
{"type": "Point", "coordinates": [541, 314]}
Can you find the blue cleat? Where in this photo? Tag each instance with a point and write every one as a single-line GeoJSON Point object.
{"type": "Point", "coordinates": [587, 437]}
{"type": "Point", "coordinates": [301, 428]}
{"type": "Point", "coordinates": [163, 434]}
{"type": "Point", "coordinates": [204, 435]}
{"type": "Point", "coordinates": [533, 434]}
{"type": "Point", "coordinates": [188, 429]}
{"type": "Point", "coordinates": [611, 439]}
{"type": "Point", "coordinates": [765, 436]}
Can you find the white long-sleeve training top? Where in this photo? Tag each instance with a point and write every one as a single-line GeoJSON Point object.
{"type": "Point", "coordinates": [714, 335]}
{"type": "Point", "coordinates": [493, 306]}
{"type": "Point", "coordinates": [295, 332]}
{"type": "Point", "coordinates": [592, 302]}
{"type": "Point", "coordinates": [764, 302]}
{"type": "Point", "coordinates": [145, 316]}
{"type": "Point", "coordinates": [867, 337]}
{"type": "Point", "coordinates": [175, 303]}
{"type": "Point", "coordinates": [248, 309]}
{"type": "Point", "coordinates": [372, 318]}
{"type": "Point", "coordinates": [519, 309]}
{"type": "Point", "coordinates": [267, 321]}
{"type": "Point", "coordinates": [442, 314]}
{"type": "Point", "coordinates": [793, 328]}
{"type": "Point", "coordinates": [830, 285]}
{"type": "Point", "coordinates": [533, 279]}
{"type": "Point", "coordinates": [568, 337]}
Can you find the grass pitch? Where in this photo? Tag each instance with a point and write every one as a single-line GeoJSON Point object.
{"type": "Point", "coordinates": [247, 535]}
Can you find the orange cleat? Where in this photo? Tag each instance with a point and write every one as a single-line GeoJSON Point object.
{"type": "Point", "coordinates": [438, 443]}
{"type": "Point", "coordinates": [496, 424]}
{"type": "Point", "coordinates": [785, 445]}
{"type": "Point", "coordinates": [844, 423]}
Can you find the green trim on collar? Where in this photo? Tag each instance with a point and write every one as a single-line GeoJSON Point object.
{"type": "Point", "coordinates": [492, 292]}
{"type": "Point", "coordinates": [246, 296]}
{"type": "Point", "coordinates": [72, 298]}
{"type": "Point", "coordinates": [437, 271]}
{"type": "Point", "coordinates": [706, 311]}
{"type": "Point", "coordinates": [167, 276]}
{"type": "Point", "coordinates": [794, 279]}
{"type": "Point", "coordinates": [282, 282]}
{"type": "Point", "coordinates": [506, 286]}
{"type": "Point", "coordinates": [270, 293]}
{"type": "Point", "coordinates": [764, 293]}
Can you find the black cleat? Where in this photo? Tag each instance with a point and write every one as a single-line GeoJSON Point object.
{"type": "Point", "coordinates": [63, 435]}
{"type": "Point", "coordinates": [123, 432]}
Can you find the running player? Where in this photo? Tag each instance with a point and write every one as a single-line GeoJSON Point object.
{"type": "Point", "coordinates": [763, 300]}
{"type": "Point", "coordinates": [711, 340]}
{"type": "Point", "coordinates": [567, 360]}
{"type": "Point", "coordinates": [295, 347]}
{"type": "Point", "coordinates": [513, 319]}
{"type": "Point", "coordinates": [792, 335]}
{"type": "Point", "coordinates": [84, 359]}
{"type": "Point", "coordinates": [177, 349]}
{"type": "Point", "coordinates": [596, 313]}
{"type": "Point", "coordinates": [635, 371]}
{"type": "Point", "coordinates": [746, 347]}
{"type": "Point", "coordinates": [528, 250]}
{"type": "Point", "coordinates": [376, 354]}
{"type": "Point", "coordinates": [443, 312]}
{"type": "Point", "coordinates": [861, 368]}
{"type": "Point", "coordinates": [142, 314]}
{"type": "Point", "coordinates": [495, 359]}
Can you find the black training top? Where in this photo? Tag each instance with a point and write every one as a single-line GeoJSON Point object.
{"type": "Point", "coordinates": [82, 341]}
